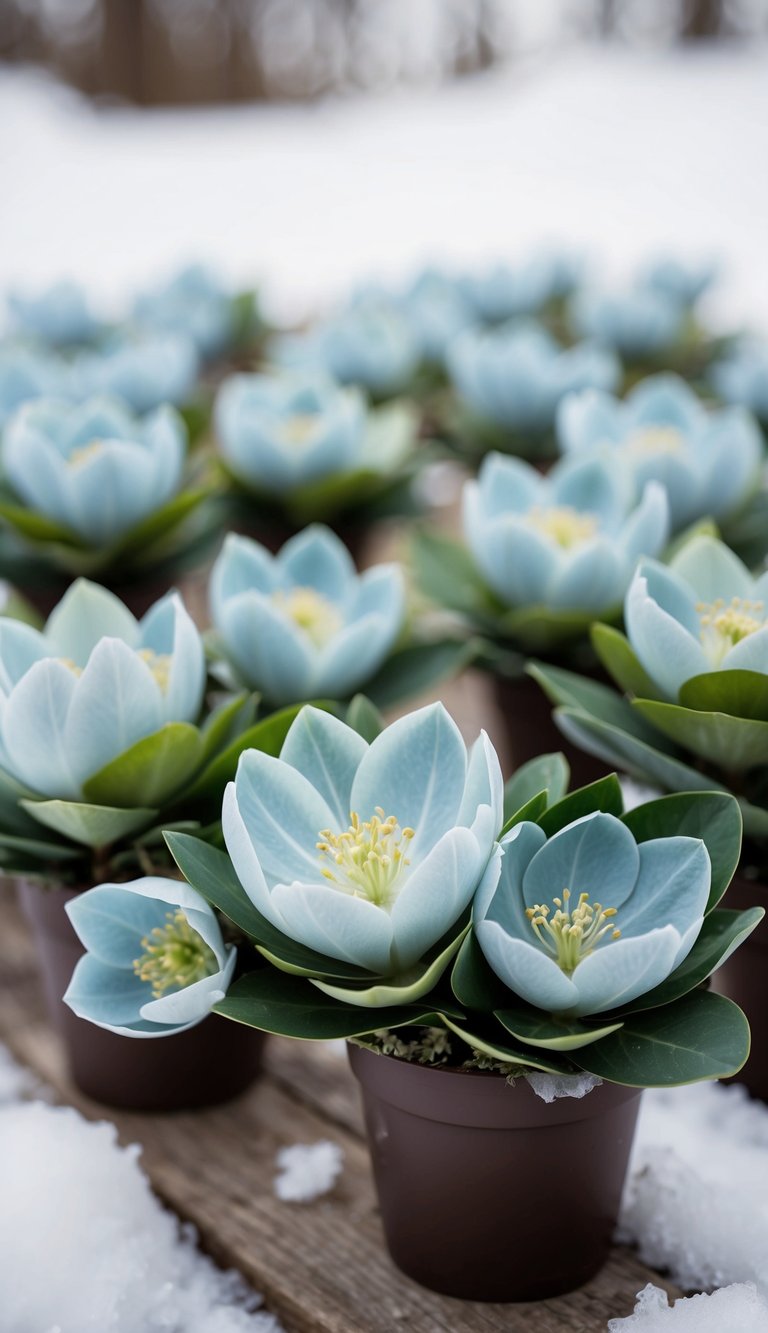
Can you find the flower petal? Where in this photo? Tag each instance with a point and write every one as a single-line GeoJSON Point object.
{"type": "Point", "coordinates": [192, 1003]}
{"type": "Point", "coordinates": [116, 702]}
{"type": "Point", "coordinates": [111, 922]}
{"type": "Point", "coordinates": [620, 970]}
{"type": "Point", "coordinates": [284, 816]}
{"type": "Point", "coordinates": [435, 894]}
{"type": "Point", "coordinates": [86, 614]}
{"type": "Point", "coordinates": [712, 571]}
{"type": "Point", "coordinates": [596, 854]}
{"type": "Point", "coordinates": [672, 886]}
{"type": "Point", "coordinates": [269, 650]}
{"type": "Point", "coordinates": [20, 647]}
{"type": "Point", "coordinates": [526, 969]}
{"type": "Point", "coordinates": [34, 725]}
{"type": "Point", "coordinates": [317, 558]}
{"type": "Point", "coordinates": [336, 924]}
{"type": "Point", "coordinates": [328, 753]}
{"type": "Point", "coordinates": [670, 651]}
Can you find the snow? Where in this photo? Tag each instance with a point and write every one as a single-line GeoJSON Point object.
{"type": "Point", "coordinates": [307, 1171]}
{"type": "Point", "coordinates": [735, 1309]}
{"type": "Point", "coordinates": [617, 151]}
{"type": "Point", "coordinates": [551, 1086]}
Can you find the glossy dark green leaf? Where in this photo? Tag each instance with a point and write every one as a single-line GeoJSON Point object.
{"type": "Point", "coordinates": [658, 765]}
{"type": "Point", "coordinates": [712, 816]}
{"type": "Point", "coordinates": [37, 528]}
{"type": "Point", "coordinates": [473, 981]}
{"type": "Point", "coordinates": [416, 668]}
{"type": "Point", "coordinates": [740, 693]}
{"type": "Point", "coordinates": [733, 743]}
{"type": "Point", "coordinates": [547, 773]}
{"type": "Point", "coordinates": [364, 718]}
{"type": "Point", "coordinates": [604, 795]}
{"type": "Point", "coordinates": [534, 1028]}
{"type": "Point", "coordinates": [267, 735]}
{"type": "Point", "coordinates": [226, 721]}
{"type": "Point", "coordinates": [91, 825]}
{"type": "Point", "coordinates": [447, 574]}
{"type": "Point", "coordinates": [487, 1036]}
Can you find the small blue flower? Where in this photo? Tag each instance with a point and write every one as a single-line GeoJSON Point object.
{"type": "Point", "coordinates": [546, 937]}
{"type": "Point", "coordinates": [303, 624]}
{"type": "Point", "coordinates": [369, 344]}
{"type": "Point", "coordinates": [705, 612]}
{"type": "Point", "coordinates": [639, 321]}
{"type": "Point", "coordinates": [437, 311]}
{"type": "Point", "coordinates": [194, 303]}
{"type": "Point", "coordinates": [94, 681]}
{"type": "Point", "coordinates": [515, 376]}
{"type": "Point", "coordinates": [156, 962]}
{"type": "Point", "coordinates": [94, 468]}
{"type": "Point", "coordinates": [367, 853]}
{"type": "Point", "coordinates": [26, 374]}
{"type": "Point", "coordinates": [144, 369]}
{"type": "Point", "coordinates": [505, 291]}
{"type": "Point", "coordinates": [59, 315]}
{"type": "Point", "coordinates": [708, 462]}
{"type": "Point", "coordinates": [742, 377]}
{"type": "Point", "coordinates": [570, 540]}
{"type": "Point", "coordinates": [683, 280]}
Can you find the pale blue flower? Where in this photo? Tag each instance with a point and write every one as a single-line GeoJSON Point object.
{"type": "Point", "coordinates": [26, 374]}
{"type": "Point", "coordinates": [568, 541]}
{"type": "Point", "coordinates": [193, 303]}
{"type": "Point", "coordinates": [367, 853]}
{"type": "Point", "coordinates": [515, 376]}
{"type": "Point", "coordinates": [94, 681]}
{"type": "Point", "coordinates": [708, 462]}
{"type": "Point", "coordinates": [59, 315]}
{"type": "Point", "coordinates": [304, 624]}
{"type": "Point", "coordinates": [146, 369]}
{"type": "Point", "coordinates": [742, 376]}
{"type": "Point", "coordinates": [639, 321]}
{"type": "Point", "coordinates": [704, 612]}
{"type": "Point", "coordinates": [94, 468]}
{"type": "Point", "coordinates": [682, 279]}
{"type": "Point", "coordinates": [369, 344]}
{"type": "Point", "coordinates": [156, 962]}
{"type": "Point", "coordinates": [649, 911]}
{"type": "Point", "coordinates": [506, 291]}
{"type": "Point", "coordinates": [437, 311]}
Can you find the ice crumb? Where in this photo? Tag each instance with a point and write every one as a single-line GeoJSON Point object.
{"type": "Point", "coordinates": [307, 1170]}
{"type": "Point", "coordinates": [337, 1047]}
{"type": "Point", "coordinates": [637, 793]}
{"type": "Point", "coordinates": [551, 1086]}
{"type": "Point", "coordinates": [78, 1209]}
{"type": "Point", "coordinates": [733, 1308]}
{"type": "Point", "coordinates": [697, 1199]}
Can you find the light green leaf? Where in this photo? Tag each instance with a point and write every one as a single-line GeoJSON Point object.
{"type": "Point", "coordinates": [151, 771]}
{"type": "Point", "coordinates": [734, 743]}
{"type": "Point", "coordinates": [37, 528]}
{"type": "Point", "coordinates": [491, 1039]}
{"type": "Point", "coordinates": [414, 985]}
{"type": "Point", "coordinates": [739, 693]}
{"type": "Point", "coordinates": [534, 1028]}
{"type": "Point", "coordinates": [547, 773]}
{"type": "Point", "coordinates": [91, 825]}
{"type": "Point", "coordinates": [414, 669]}
{"type": "Point", "coordinates": [620, 661]}
{"type": "Point", "coordinates": [267, 735]}
{"type": "Point", "coordinates": [364, 718]}
{"type": "Point", "coordinates": [655, 764]}
{"type": "Point", "coordinates": [225, 722]}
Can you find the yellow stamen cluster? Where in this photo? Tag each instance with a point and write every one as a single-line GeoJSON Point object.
{"type": "Point", "coordinates": [367, 857]}
{"type": "Point", "coordinates": [563, 524]}
{"type": "Point", "coordinates": [174, 956]}
{"type": "Point", "coordinates": [723, 626]}
{"type": "Point", "coordinates": [70, 665]}
{"type": "Point", "coordinates": [655, 440]}
{"type": "Point", "coordinates": [313, 613]}
{"type": "Point", "coordinates": [571, 933]}
{"type": "Point", "coordinates": [159, 664]}
{"type": "Point", "coordinates": [298, 428]}
{"type": "Point", "coordinates": [84, 452]}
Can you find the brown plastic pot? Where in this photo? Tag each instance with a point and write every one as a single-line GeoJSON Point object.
{"type": "Point", "coordinates": [530, 729]}
{"type": "Point", "coordinates": [744, 978]}
{"type": "Point", "coordinates": [204, 1066]}
{"type": "Point", "coordinates": [487, 1192]}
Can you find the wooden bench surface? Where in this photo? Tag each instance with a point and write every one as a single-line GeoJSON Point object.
{"type": "Point", "coordinates": [322, 1267]}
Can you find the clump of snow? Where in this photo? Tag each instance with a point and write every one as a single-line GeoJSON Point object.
{"type": "Point", "coordinates": [307, 1170]}
{"type": "Point", "coordinates": [551, 1086]}
{"type": "Point", "coordinates": [697, 1199]}
{"type": "Point", "coordinates": [85, 1247]}
{"type": "Point", "coordinates": [733, 1308]}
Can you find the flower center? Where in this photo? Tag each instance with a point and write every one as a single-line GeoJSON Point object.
{"type": "Point", "coordinates": [298, 428]}
{"type": "Point", "coordinates": [159, 664]}
{"type": "Point", "coordinates": [314, 614]}
{"type": "Point", "coordinates": [174, 956]}
{"type": "Point", "coordinates": [83, 453]}
{"type": "Point", "coordinates": [367, 857]}
{"type": "Point", "coordinates": [654, 440]}
{"type": "Point", "coordinates": [722, 627]}
{"type": "Point", "coordinates": [571, 933]}
{"type": "Point", "coordinates": [564, 525]}
{"type": "Point", "coordinates": [70, 665]}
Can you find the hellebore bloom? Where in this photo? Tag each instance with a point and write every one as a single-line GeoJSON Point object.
{"type": "Point", "coordinates": [156, 961]}
{"type": "Point", "coordinates": [637, 322]}
{"type": "Point", "coordinates": [367, 853]}
{"type": "Point", "coordinates": [146, 369]}
{"type": "Point", "coordinates": [94, 468]}
{"type": "Point", "coordinates": [26, 374]}
{"type": "Point", "coordinates": [304, 624]}
{"type": "Point", "coordinates": [742, 377]}
{"type": "Point", "coordinates": [708, 462]}
{"type": "Point", "coordinates": [683, 280]}
{"type": "Point", "coordinates": [570, 540]}
{"type": "Point", "coordinates": [507, 291]}
{"type": "Point", "coordinates": [516, 375]}
{"type": "Point", "coordinates": [370, 344]}
{"type": "Point", "coordinates": [436, 311]}
{"type": "Point", "coordinates": [93, 682]}
{"type": "Point", "coordinates": [546, 937]}
{"type": "Point", "coordinates": [195, 304]}
{"type": "Point", "coordinates": [704, 612]}
{"type": "Point", "coordinates": [59, 315]}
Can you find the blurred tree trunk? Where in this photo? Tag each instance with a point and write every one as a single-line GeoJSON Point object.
{"type": "Point", "coordinates": [702, 18]}
{"type": "Point", "coordinates": [121, 53]}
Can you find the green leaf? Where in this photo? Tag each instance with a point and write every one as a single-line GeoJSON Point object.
{"type": "Point", "coordinates": [619, 659]}
{"type": "Point", "coordinates": [599, 701]}
{"type": "Point", "coordinates": [712, 816]}
{"type": "Point", "coordinates": [226, 721]}
{"type": "Point", "coordinates": [13, 817]}
{"type": "Point", "coordinates": [414, 669]}
{"type": "Point", "coordinates": [547, 773]}
{"type": "Point", "coordinates": [655, 764]}
{"type": "Point", "coordinates": [740, 693]}
{"type": "Point", "coordinates": [38, 849]}
{"type": "Point", "coordinates": [544, 629]}
{"type": "Point", "coordinates": [158, 525]}
{"type": "Point", "coordinates": [267, 735]}
{"type": "Point", "coordinates": [364, 718]}
{"type": "Point", "coordinates": [531, 811]}
{"type": "Point", "coordinates": [605, 795]}
{"type": "Point", "coordinates": [210, 871]}
{"type": "Point", "coordinates": [734, 743]}
{"type": "Point", "coordinates": [447, 574]}
{"type": "Point", "coordinates": [151, 771]}
{"type": "Point", "coordinates": [534, 1028]}
{"type": "Point", "coordinates": [723, 931]}
{"type": "Point", "coordinates": [292, 1007]}
{"type": "Point", "coordinates": [755, 819]}
{"type": "Point", "coordinates": [37, 528]}
{"type": "Point", "coordinates": [91, 825]}
{"type": "Point", "coordinates": [701, 1036]}
{"type": "Point", "coordinates": [414, 985]}
{"type": "Point", "coordinates": [473, 981]}
{"type": "Point", "coordinates": [492, 1039]}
